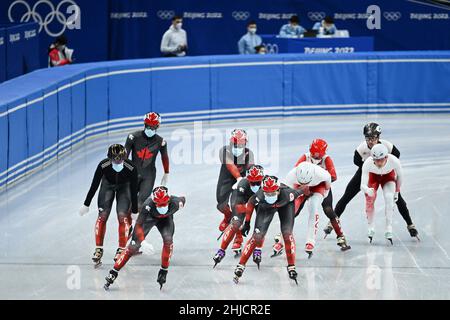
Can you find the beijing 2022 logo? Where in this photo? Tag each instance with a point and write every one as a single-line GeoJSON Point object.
{"type": "Point", "coordinates": [44, 13]}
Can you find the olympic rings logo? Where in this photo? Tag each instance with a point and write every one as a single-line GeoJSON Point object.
{"type": "Point", "coordinates": [165, 14]}
{"type": "Point", "coordinates": [316, 16]}
{"type": "Point", "coordinates": [240, 15]}
{"type": "Point", "coordinates": [271, 48]}
{"type": "Point", "coordinates": [66, 22]}
{"type": "Point", "coordinates": [392, 16]}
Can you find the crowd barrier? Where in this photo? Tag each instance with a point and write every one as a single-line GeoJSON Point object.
{"type": "Point", "coordinates": [48, 111]}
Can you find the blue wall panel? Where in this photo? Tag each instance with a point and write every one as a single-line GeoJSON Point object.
{"type": "Point", "coordinates": [64, 112]}
{"type": "Point", "coordinates": [17, 139]}
{"type": "Point", "coordinates": [50, 118]}
{"type": "Point", "coordinates": [97, 97]}
{"type": "Point", "coordinates": [3, 142]}
{"type": "Point", "coordinates": [78, 96]}
{"type": "Point", "coordinates": [35, 118]}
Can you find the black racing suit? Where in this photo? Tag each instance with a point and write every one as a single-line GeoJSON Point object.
{"type": "Point", "coordinates": [143, 154]}
{"type": "Point", "coordinates": [232, 168]}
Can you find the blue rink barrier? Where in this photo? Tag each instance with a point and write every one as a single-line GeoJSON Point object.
{"type": "Point", "coordinates": [48, 111]}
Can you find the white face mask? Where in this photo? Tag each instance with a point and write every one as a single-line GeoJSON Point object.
{"type": "Point", "coordinates": [117, 166]}
{"type": "Point", "coordinates": [254, 189]}
{"type": "Point", "coordinates": [178, 26]}
{"type": "Point", "coordinates": [162, 210]}
{"type": "Point", "coordinates": [237, 151]}
{"type": "Point", "coordinates": [252, 30]}
{"type": "Point", "coordinates": [149, 132]}
{"type": "Point", "coordinates": [271, 199]}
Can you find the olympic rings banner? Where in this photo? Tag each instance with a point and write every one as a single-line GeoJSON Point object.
{"type": "Point", "coordinates": [124, 29]}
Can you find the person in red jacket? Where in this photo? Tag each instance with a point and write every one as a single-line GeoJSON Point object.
{"type": "Point", "coordinates": [318, 155]}
{"type": "Point", "coordinates": [58, 53]}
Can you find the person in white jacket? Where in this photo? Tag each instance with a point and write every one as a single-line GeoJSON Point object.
{"type": "Point", "coordinates": [385, 170]}
{"type": "Point", "coordinates": [174, 40]}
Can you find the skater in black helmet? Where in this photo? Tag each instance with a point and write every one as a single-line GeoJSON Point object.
{"type": "Point", "coordinates": [371, 133]}
{"type": "Point", "coordinates": [117, 177]}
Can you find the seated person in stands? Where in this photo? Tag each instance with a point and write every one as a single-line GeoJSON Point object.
{"type": "Point", "coordinates": [250, 40]}
{"type": "Point", "coordinates": [327, 24]}
{"type": "Point", "coordinates": [58, 53]}
{"type": "Point", "coordinates": [261, 49]}
{"type": "Point", "coordinates": [293, 29]}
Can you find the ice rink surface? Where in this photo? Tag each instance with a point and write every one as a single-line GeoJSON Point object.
{"type": "Point", "coordinates": [45, 245]}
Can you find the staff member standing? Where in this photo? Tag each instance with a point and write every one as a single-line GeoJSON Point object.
{"type": "Point", "coordinates": [174, 40]}
{"type": "Point", "coordinates": [250, 40]}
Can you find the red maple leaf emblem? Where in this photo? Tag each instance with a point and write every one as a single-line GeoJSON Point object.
{"type": "Point", "coordinates": [144, 154]}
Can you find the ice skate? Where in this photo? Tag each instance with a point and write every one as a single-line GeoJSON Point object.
{"type": "Point", "coordinates": [342, 242]}
{"type": "Point", "coordinates": [370, 234]}
{"type": "Point", "coordinates": [388, 235]}
{"type": "Point", "coordinates": [413, 231]}
{"type": "Point", "coordinates": [328, 229]}
{"type": "Point", "coordinates": [277, 247]}
{"type": "Point", "coordinates": [292, 273]}
{"type": "Point", "coordinates": [309, 248]}
{"type": "Point", "coordinates": [97, 258]}
{"type": "Point", "coordinates": [238, 273]}
{"type": "Point", "coordinates": [218, 257]}
{"type": "Point", "coordinates": [162, 274]}
{"type": "Point", "coordinates": [257, 257]}
{"type": "Point", "coordinates": [110, 278]}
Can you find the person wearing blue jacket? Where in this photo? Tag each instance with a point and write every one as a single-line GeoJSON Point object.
{"type": "Point", "coordinates": [250, 40]}
{"type": "Point", "coordinates": [293, 29]}
{"type": "Point", "coordinates": [327, 24]}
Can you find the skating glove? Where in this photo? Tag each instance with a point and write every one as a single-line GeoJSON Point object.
{"type": "Point", "coordinates": [396, 197]}
{"type": "Point", "coordinates": [147, 248]}
{"type": "Point", "coordinates": [165, 179]}
{"type": "Point", "coordinates": [245, 228]}
{"type": "Point", "coordinates": [83, 210]}
{"type": "Point", "coordinates": [234, 187]}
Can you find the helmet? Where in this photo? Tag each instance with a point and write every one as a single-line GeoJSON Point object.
{"type": "Point", "coordinates": [255, 173]}
{"type": "Point", "coordinates": [239, 137]}
{"type": "Point", "coordinates": [318, 148]}
{"type": "Point", "coordinates": [304, 172]}
{"type": "Point", "coordinates": [379, 151]}
{"type": "Point", "coordinates": [372, 129]}
{"type": "Point", "coordinates": [270, 184]}
{"type": "Point", "coordinates": [160, 196]}
{"type": "Point", "coordinates": [152, 119]}
{"type": "Point", "coordinates": [117, 152]}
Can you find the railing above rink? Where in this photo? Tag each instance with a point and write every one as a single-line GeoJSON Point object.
{"type": "Point", "coordinates": [47, 112]}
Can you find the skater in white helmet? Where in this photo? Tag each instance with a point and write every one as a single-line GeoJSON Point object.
{"type": "Point", "coordinates": [381, 169]}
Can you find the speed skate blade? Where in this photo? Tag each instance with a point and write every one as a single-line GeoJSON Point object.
{"type": "Point", "coordinates": [220, 236]}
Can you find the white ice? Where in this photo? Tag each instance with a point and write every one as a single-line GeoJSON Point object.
{"type": "Point", "coordinates": [45, 246]}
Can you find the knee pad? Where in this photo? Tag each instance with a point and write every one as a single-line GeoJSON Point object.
{"type": "Point", "coordinates": [236, 223]}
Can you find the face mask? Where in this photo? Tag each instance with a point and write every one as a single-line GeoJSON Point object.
{"type": "Point", "coordinates": [271, 199]}
{"type": "Point", "coordinates": [262, 52]}
{"type": "Point", "coordinates": [254, 188]}
{"type": "Point", "coordinates": [237, 151]}
{"type": "Point", "coordinates": [149, 132]}
{"type": "Point", "coordinates": [178, 26]}
{"type": "Point", "coordinates": [117, 166]}
{"type": "Point", "coordinates": [162, 210]}
{"type": "Point", "coordinates": [252, 30]}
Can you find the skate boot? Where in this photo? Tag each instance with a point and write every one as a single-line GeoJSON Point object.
{"type": "Point", "coordinates": [218, 257]}
{"type": "Point", "coordinates": [277, 247]}
{"type": "Point", "coordinates": [328, 229]}
{"type": "Point", "coordinates": [97, 258]}
{"type": "Point", "coordinates": [413, 231]}
{"type": "Point", "coordinates": [370, 234]}
{"type": "Point", "coordinates": [162, 274]}
{"type": "Point", "coordinates": [292, 273]}
{"type": "Point", "coordinates": [309, 248]}
{"type": "Point", "coordinates": [113, 274]}
{"type": "Point", "coordinates": [238, 273]}
{"type": "Point", "coordinates": [388, 235]}
{"type": "Point", "coordinates": [341, 242]}
{"type": "Point", "coordinates": [257, 257]}
{"type": "Point", "coordinates": [237, 245]}
{"type": "Point", "coordinates": [118, 253]}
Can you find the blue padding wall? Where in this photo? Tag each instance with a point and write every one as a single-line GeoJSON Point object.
{"type": "Point", "coordinates": [44, 113]}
